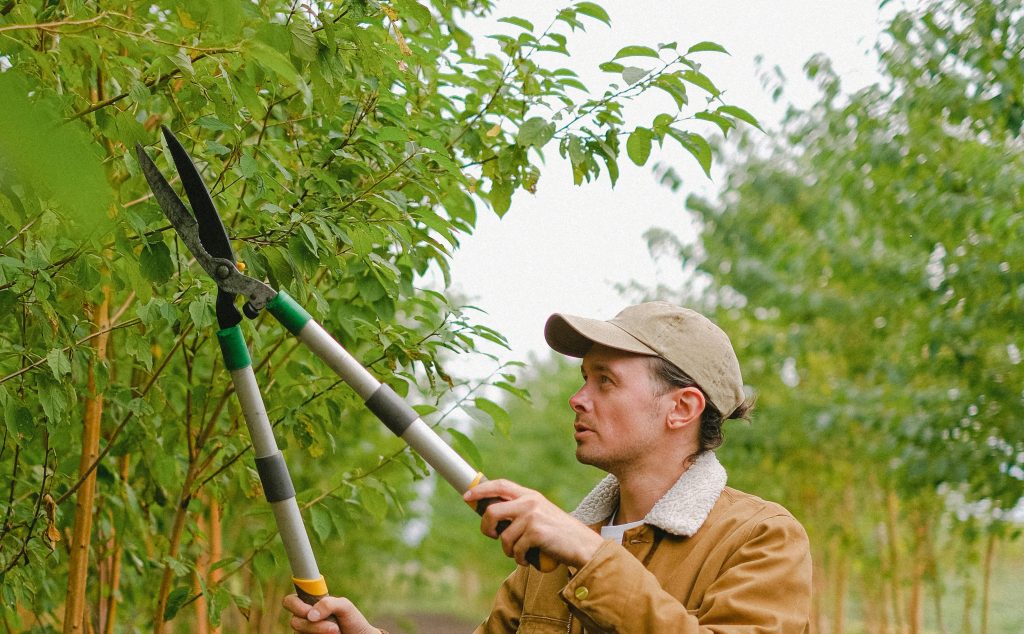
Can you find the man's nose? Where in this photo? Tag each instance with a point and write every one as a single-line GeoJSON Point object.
{"type": "Point", "coordinates": [579, 401]}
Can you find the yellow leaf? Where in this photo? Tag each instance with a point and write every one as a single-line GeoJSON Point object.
{"type": "Point", "coordinates": [186, 20]}
{"type": "Point", "coordinates": [493, 132]}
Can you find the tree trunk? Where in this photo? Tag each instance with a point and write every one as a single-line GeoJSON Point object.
{"type": "Point", "coordinates": [838, 586]}
{"type": "Point", "coordinates": [202, 567]}
{"type": "Point", "coordinates": [916, 607]}
{"type": "Point", "coordinates": [177, 529]}
{"type": "Point", "coordinates": [78, 564]}
{"type": "Point", "coordinates": [819, 580]}
{"type": "Point", "coordinates": [891, 523]}
{"type": "Point", "coordinates": [986, 580]}
{"type": "Point", "coordinates": [216, 548]}
{"type": "Point", "coordinates": [966, 626]}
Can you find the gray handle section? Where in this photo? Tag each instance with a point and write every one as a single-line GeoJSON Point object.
{"type": "Point", "coordinates": [391, 409]}
{"type": "Point", "coordinates": [334, 355]}
{"type": "Point", "coordinates": [255, 413]}
{"type": "Point", "coordinates": [277, 482]}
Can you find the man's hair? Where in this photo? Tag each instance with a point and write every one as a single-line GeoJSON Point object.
{"type": "Point", "coordinates": [710, 436]}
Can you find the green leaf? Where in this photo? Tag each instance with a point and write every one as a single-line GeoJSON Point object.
{"type": "Point", "coordinates": [20, 423]}
{"type": "Point", "coordinates": [521, 23]}
{"type": "Point", "coordinates": [498, 415]}
{"type": "Point", "coordinates": [247, 165]}
{"type": "Point", "coordinates": [155, 262]}
{"type": "Point", "coordinates": [741, 114]}
{"type": "Point", "coordinates": [466, 448]}
{"type": "Point", "coordinates": [637, 51]}
{"type": "Point", "coordinates": [303, 40]}
{"type": "Point", "coordinates": [59, 363]}
{"type": "Point", "coordinates": [632, 74]}
{"type": "Point", "coordinates": [321, 520]}
{"type": "Point", "coordinates": [535, 132]}
{"type": "Point", "coordinates": [414, 10]}
{"type": "Point", "coordinates": [58, 159]}
{"type": "Point", "coordinates": [706, 46]}
{"type": "Point", "coordinates": [86, 272]}
{"type": "Point", "coordinates": [374, 501]}
{"type": "Point", "coordinates": [183, 62]}
{"type": "Point", "coordinates": [701, 80]}
{"type": "Point", "coordinates": [501, 197]}
{"type": "Point", "coordinates": [695, 145]}
{"type": "Point", "coordinates": [211, 122]}
{"type": "Point", "coordinates": [638, 145]}
{"type": "Point", "coordinates": [201, 311]}
{"type": "Point", "coordinates": [594, 11]}
{"type": "Point", "coordinates": [724, 123]}
{"type": "Point", "coordinates": [175, 600]}
{"type": "Point", "coordinates": [661, 124]}
{"type": "Point", "coordinates": [612, 67]}
{"type": "Point", "coordinates": [275, 61]}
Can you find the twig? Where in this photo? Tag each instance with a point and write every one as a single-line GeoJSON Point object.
{"type": "Point", "coordinates": [20, 231]}
{"type": "Point", "coordinates": [44, 26]}
{"type": "Point", "coordinates": [16, 374]}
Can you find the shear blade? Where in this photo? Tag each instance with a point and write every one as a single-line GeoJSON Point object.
{"type": "Point", "coordinates": [212, 233]}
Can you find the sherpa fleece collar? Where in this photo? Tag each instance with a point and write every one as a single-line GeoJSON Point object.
{"type": "Point", "coordinates": [681, 511]}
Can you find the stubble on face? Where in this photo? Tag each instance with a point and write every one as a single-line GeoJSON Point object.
{"type": "Point", "coordinates": [619, 429]}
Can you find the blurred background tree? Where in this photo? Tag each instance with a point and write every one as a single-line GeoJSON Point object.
{"type": "Point", "coordinates": [866, 260]}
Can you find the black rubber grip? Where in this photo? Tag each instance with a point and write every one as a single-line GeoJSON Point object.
{"type": "Point", "coordinates": [391, 409]}
{"type": "Point", "coordinates": [532, 555]}
{"type": "Point", "coordinates": [277, 484]}
{"type": "Point", "coordinates": [311, 599]}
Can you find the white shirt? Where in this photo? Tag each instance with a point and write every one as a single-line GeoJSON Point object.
{"type": "Point", "coordinates": [613, 532]}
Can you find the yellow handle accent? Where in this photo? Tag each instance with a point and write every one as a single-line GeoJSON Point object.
{"type": "Point", "coordinates": [315, 587]}
{"type": "Point", "coordinates": [477, 480]}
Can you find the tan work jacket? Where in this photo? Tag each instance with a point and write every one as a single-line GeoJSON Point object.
{"type": "Point", "coordinates": [708, 559]}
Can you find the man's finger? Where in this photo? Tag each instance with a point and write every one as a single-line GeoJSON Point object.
{"type": "Point", "coordinates": [505, 489]}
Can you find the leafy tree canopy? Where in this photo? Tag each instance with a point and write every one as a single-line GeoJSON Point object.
{"type": "Point", "coordinates": [349, 147]}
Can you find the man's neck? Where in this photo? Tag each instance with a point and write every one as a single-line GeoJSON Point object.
{"type": "Point", "coordinates": [640, 489]}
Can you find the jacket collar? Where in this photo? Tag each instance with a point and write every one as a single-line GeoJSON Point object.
{"type": "Point", "coordinates": [681, 511]}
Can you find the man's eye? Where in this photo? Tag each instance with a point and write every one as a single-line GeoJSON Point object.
{"type": "Point", "coordinates": [605, 379]}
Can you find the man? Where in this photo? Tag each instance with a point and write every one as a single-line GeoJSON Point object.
{"type": "Point", "coordinates": [661, 544]}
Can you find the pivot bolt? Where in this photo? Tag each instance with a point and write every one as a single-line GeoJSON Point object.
{"type": "Point", "coordinates": [223, 271]}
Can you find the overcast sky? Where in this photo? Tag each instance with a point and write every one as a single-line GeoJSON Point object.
{"type": "Point", "coordinates": [565, 248]}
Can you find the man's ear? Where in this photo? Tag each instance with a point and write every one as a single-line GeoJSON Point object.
{"type": "Point", "coordinates": [687, 405]}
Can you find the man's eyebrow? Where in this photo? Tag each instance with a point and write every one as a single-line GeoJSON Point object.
{"type": "Point", "coordinates": [598, 366]}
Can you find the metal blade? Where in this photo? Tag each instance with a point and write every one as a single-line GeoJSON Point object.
{"type": "Point", "coordinates": [212, 233]}
{"type": "Point", "coordinates": [222, 270]}
{"type": "Point", "coordinates": [181, 218]}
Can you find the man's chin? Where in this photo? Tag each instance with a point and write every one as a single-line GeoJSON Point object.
{"type": "Point", "coordinates": [587, 458]}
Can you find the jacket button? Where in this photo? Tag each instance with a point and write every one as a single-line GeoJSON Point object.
{"type": "Point", "coordinates": [582, 593]}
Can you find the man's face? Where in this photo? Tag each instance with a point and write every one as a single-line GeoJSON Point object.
{"type": "Point", "coordinates": [619, 413]}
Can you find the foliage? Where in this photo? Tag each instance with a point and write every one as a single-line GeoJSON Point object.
{"type": "Point", "coordinates": [867, 260]}
{"type": "Point", "coordinates": [348, 146]}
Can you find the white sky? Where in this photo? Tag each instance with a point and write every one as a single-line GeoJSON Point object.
{"type": "Point", "coordinates": [565, 247]}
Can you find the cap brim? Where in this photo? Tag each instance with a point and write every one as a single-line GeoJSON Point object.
{"type": "Point", "coordinates": [574, 336]}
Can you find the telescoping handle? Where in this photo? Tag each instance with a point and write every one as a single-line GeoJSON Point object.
{"type": "Point", "coordinates": [273, 472]}
{"type": "Point", "coordinates": [390, 408]}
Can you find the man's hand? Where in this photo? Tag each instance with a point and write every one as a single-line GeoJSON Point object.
{"type": "Point", "coordinates": [534, 521]}
{"type": "Point", "coordinates": [310, 618]}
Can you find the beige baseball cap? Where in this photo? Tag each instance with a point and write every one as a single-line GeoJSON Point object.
{"type": "Point", "coordinates": [681, 336]}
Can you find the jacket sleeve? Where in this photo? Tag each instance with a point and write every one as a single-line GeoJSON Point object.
{"type": "Point", "coordinates": [764, 586]}
{"type": "Point", "coordinates": [508, 605]}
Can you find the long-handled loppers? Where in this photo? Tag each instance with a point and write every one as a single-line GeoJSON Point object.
{"type": "Point", "coordinates": [205, 237]}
